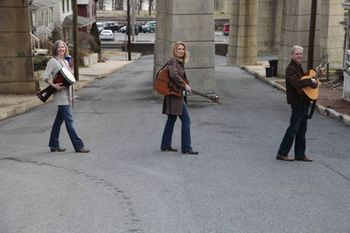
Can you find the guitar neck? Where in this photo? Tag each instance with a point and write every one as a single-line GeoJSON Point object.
{"type": "Point", "coordinates": [214, 99]}
{"type": "Point", "coordinates": [200, 93]}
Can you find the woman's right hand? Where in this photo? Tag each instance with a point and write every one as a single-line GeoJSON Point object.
{"type": "Point", "coordinates": [59, 86]}
{"type": "Point", "coordinates": [188, 88]}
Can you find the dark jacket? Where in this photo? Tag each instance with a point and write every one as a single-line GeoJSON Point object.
{"type": "Point", "coordinates": [173, 104]}
{"type": "Point", "coordinates": [294, 72]}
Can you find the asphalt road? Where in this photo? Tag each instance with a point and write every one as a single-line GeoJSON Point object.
{"type": "Point", "coordinates": [126, 184]}
{"type": "Point", "coordinates": [149, 37]}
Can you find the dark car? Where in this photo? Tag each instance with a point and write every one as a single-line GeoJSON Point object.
{"type": "Point", "coordinates": [150, 27]}
{"type": "Point", "coordinates": [124, 29]}
{"type": "Point", "coordinates": [226, 29]}
{"type": "Point", "coordinates": [112, 26]}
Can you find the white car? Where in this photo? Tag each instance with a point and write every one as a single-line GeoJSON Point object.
{"type": "Point", "coordinates": [100, 26]}
{"type": "Point", "coordinates": [106, 35]}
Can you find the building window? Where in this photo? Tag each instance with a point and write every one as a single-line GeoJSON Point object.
{"type": "Point", "coordinates": [63, 10]}
{"type": "Point", "coordinates": [68, 6]}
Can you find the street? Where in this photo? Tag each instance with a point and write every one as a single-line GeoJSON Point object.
{"type": "Point", "coordinates": [149, 37]}
{"type": "Point", "coordinates": [126, 184]}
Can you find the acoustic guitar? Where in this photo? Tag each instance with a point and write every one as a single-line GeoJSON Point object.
{"type": "Point", "coordinates": [311, 93]}
{"type": "Point", "coordinates": [314, 93]}
{"type": "Point", "coordinates": [161, 85]}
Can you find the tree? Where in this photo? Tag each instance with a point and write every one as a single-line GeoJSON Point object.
{"type": "Point", "coordinates": [150, 7]}
{"type": "Point", "coordinates": [140, 6]}
{"type": "Point", "coordinates": [100, 4]}
{"type": "Point", "coordinates": [94, 32]}
{"type": "Point", "coordinates": [56, 34]}
{"type": "Point", "coordinates": [119, 5]}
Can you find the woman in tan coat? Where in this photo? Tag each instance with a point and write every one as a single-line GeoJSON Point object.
{"type": "Point", "coordinates": [175, 106]}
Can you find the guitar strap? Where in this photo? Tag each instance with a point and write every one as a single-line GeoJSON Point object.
{"type": "Point", "coordinates": [312, 109]}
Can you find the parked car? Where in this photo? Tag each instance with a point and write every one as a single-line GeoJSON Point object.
{"type": "Point", "coordinates": [106, 35]}
{"type": "Point", "coordinates": [112, 26]}
{"type": "Point", "coordinates": [150, 26]}
{"type": "Point", "coordinates": [226, 29]}
{"type": "Point", "coordinates": [100, 26]}
{"type": "Point", "coordinates": [125, 30]}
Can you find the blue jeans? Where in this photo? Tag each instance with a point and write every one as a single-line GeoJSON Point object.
{"type": "Point", "coordinates": [185, 130]}
{"type": "Point", "coordinates": [64, 114]}
{"type": "Point", "coordinates": [296, 130]}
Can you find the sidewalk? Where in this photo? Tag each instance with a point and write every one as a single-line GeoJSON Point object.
{"type": "Point", "coordinates": [12, 105]}
{"type": "Point", "coordinates": [330, 102]}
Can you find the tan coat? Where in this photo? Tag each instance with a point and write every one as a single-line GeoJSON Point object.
{"type": "Point", "coordinates": [172, 104]}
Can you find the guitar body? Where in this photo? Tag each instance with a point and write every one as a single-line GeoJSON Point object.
{"type": "Point", "coordinates": [311, 93]}
{"type": "Point", "coordinates": [161, 84]}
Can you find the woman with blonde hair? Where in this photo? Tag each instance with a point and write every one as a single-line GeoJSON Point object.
{"type": "Point", "coordinates": [176, 106]}
{"type": "Point", "coordinates": [63, 98]}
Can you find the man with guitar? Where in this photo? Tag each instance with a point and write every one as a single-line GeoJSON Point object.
{"type": "Point", "coordinates": [300, 105]}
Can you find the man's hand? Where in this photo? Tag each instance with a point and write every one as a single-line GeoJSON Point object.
{"type": "Point", "coordinates": [314, 83]}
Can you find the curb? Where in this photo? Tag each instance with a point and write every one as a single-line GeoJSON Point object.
{"type": "Point", "coordinates": [322, 109]}
{"type": "Point", "coordinates": [20, 108]}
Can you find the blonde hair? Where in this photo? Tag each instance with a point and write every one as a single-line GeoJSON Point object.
{"type": "Point", "coordinates": [56, 45]}
{"type": "Point", "coordinates": [186, 55]}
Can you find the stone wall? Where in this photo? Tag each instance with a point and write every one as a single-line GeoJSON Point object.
{"type": "Point", "coordinates": [269, 26]}
{"type": "Point", "coordinates": [16, 69]}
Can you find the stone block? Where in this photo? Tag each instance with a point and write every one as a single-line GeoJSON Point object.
{"type": "Point", "coordinates": [191, 6]}
{"type": "Point", "coordinates": [201, 54]}
{"type": "Point", "coordinates": [9, 69]}
{"type": "Point", "coordinates": [19, 87]}
{"type": "Point", "coordinates": [14, 20]}
{"type": "Point", "coordinates": [13, 3]}
{"type": "Point", "coordinates": [291, 38]}
{"type": "Point", "coordinates": [202, 80]}
{"type": "Point", "coordinates": [18, 42]}
{"type": "Point", "coordinates": [192, 27]}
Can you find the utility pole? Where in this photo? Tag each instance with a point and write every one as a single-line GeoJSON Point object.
{"type": "Point", "coordinates": [75, 40]}
{"type": "Point", "coordinates": [133, 18]}
{"type": "Point", "coordinates": [310, 63]}
{"type": "Point", "coordinates": [128, 30]}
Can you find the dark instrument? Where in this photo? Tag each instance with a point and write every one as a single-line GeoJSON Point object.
{"type": "Point", "coordinates": [212, 98]}
{"type": "Point", "coordinates": [64, 76]}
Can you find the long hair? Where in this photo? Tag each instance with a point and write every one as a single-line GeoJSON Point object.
{"type": "Point", "coordinates": [186, 55]}
{"type": "Point", "coordinates": [56, 45]}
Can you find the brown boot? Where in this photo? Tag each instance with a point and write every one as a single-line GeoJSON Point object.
{"type": "Point", "coordinates": [283, 157]}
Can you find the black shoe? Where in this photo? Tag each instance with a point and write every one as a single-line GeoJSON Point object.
{"type": "Point", "coordinates": [58, 149]}
{"type": "Point", "coordinates": [190, 152]}
{"type": "Point", "coordinates": [82, 150]}
{"type": "Point", "coordinates": [168, 149]}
